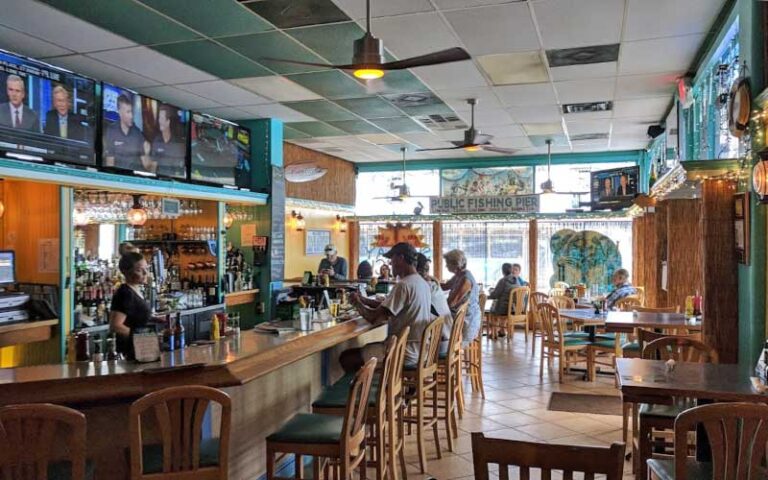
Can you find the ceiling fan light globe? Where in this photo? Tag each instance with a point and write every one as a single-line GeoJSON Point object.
{"type": "Point", "coordinates": [472, 148]}
{"type": "Point", "coordinates": [368, 73]}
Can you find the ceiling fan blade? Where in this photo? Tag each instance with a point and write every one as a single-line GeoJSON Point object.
{"type": "Point", "coordinates": [456, 54]}
{"type": "Point", "coordinates": [462, 144]}
{"type": "Point", "coordinates": [438, 149]}
{"type": "Point", "coordinates": [309, 64]}
{"type": "Point", "coordinates": [482, 139]}
{"type": "Point", "coordinates": [491, 148]}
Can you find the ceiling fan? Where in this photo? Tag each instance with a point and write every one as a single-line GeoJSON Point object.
{"type": "Point", "coordinates": [368, 59]}
{"type": "Point", "coordinates": [403, 192]}
{"type": "Point", "coordinates": [473, 140]}
{"type": "Point", "coordinates": [547, 186]}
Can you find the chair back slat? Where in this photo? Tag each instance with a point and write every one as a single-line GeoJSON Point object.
{"type": "Point", "coordinates": [353, 429]}
{"type": "Point", "coordinates": [395, 386]}
{"type": "Point", "coordinates": [430, 346]}
{"type": "Point", "coordinates": [553, 326]}
{"type": "Point", "coordinates": [608, 461]}
{"type": "Point", "coordinates": [30, 434]}
{"type": "Point", "coordinates": [178, 415]}
{"type": "Point", "coordinates": [679, 349]}
{"type": "Point", "coordinates": [387, 371]}
{"type": "Point", "coordinates": [737, 434]}
{"type": "Point", "coordinates": [454, 342]}
{"type": "Point", "coordinates": [627, 304]}
{"type": "Point", "coordinates": [561, 302]}
{"type": "Point", "coordinates": [518, 301]}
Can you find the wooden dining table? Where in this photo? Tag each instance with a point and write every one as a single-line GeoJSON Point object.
{"type": "Point", "coordinates": [627, 322]}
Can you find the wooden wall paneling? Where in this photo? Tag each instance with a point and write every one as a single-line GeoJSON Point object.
{"type": "Point", "coordinates": [533, 253]}
{"type": "Point", "coordinates": [638, 251]}
{"type": "Point", "coordinates": [437, 249]}
{"type": "Point", "coordinates": [683, 252]}
{"type": "Point", "coordinates": [719, 270]}
{"type": "Point", "coordinates": [336, 186]}
{"type": "Point", "coordinates": [660, 237]}
{"type": "Point", "coordinates": [651, 260]}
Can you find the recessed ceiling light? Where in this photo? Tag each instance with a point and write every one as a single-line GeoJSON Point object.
{"type": "Point", "coordinates": [589, 136]}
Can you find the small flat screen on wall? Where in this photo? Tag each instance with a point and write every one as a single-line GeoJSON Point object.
{"type": "Point", "coordinates": [614, 189]}
{"type": "Point", "coordinates": [46, 113]}
{"type": "Point", "coordinates": [220, 152]}
{"type": "Point", "coordinates": [141, 134]}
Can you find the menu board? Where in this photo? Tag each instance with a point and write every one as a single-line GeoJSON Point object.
{"type": "Point", "coordinates": [316, 242]}
{"type": "Point", "coordinates": [277, 270]}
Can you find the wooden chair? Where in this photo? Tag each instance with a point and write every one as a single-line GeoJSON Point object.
{"type": "Point", "coordinates": [662, 417]}
{"type": "Point", "coordinates": [30, 433]}
{"type": "Point", "coordinates": [556, 345]}
{"type": "Point", "coordinates": [473, 355]}
{"type": "Point", "coordinates": [561, 302]}
{"type": "Point", "coordinates": [421, 383]}
{"type": "Point", "coordinates": [737, 435]}
{"type": "Point", "coordinates": [517, 311]}
{"type": "Point", "coordinates": [627, 304]}
{"type": "Point", "coordinates": [336, 442]}
{"type": "Point", "coordinates": [641, 294]}
{"type": "Point", "coordinates": [557, 292]}
{"type": "Point", "coordinates": [486, 316]}
{"type": "Point", "coordinates": [178, 416]}
{"type": "Point", "coordinates": [449, 379]}
{"type": "Point", "coordinates": [386, 388]}
{"type": "Point", "coordinates": [538, 331]}
{"type": "Point", "coordinates": [657, 310]}
{"type": "Point", "coordinates": [608, 461]}
{"type": "Point", "coordinates": [562, 285]}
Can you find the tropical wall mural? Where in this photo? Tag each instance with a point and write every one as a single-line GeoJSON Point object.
{"type": "Point", "coordinates": [476, 182]}
{"type": "Point", "coordinates": [586, 257]}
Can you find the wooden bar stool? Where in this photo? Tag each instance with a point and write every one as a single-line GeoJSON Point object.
{"type": "Point", "coordinates": [333, 401]}
{"type": "Point", "coordinates": [421, 383]}
{"type": "Point", "coordinates": [449, 378]}
{"type": "Point", "coordinates": [30, 433]}
{"type": "Point", "coordinates": [538, 329]}
{"type": "Point", "coordinates": [335, 441]}
{"type": "Point", "coordinates": [517, 311]}
{"type": "Point", "coordinates": [183, 454]}
{"type": "Point", "coordinates": [473, 355]}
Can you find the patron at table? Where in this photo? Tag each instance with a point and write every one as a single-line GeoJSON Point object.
{"type": "Point", "coordinates": [510, 281]}
{"type": "Point", "coordinates": [439, 301]}
{"type": "Point", "coordinates": [621, 287]}
{"type": "Point", "coordinates": [407, 305]}
{"type": "Point", "coordinates": [333, 265]}
{"type": "Point", "coordinates": [462, 287]}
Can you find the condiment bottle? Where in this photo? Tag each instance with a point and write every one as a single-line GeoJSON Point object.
{"type": "Point", "coordinates": [82, 348]}
{"type": "Point", "coordinates": [215, 328]}
{"type": "Point", "coordinates": [111, 347]}
{"type": "Point", "coordinates": [97, 355]}
{"type": "Point", "coordinates": [71, 348]}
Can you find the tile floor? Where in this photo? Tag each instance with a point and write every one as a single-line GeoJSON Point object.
{"type": "Point", "coordinates": [515, 408]}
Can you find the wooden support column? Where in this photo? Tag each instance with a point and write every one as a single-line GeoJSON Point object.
{"type": "Point", "coordinates": [437, 249]}
{"type": "Point", "coordinates": [660, 236]}
{"type": "Point", "coordinates": [533, 253]}
{"type": "Point", "coordinates": [652, 265]}
{"type": "Point", "coordinates": [683, 253]}
{"type": "Point", "coordinates": [353, 230]}
{"type": "Point", "coordinates": [638, 252]}
{"type": "Point", "coordinates": [719, 270]}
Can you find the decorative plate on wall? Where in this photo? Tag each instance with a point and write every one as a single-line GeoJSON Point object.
{"type": "Point", "coordinates": [739, 107]}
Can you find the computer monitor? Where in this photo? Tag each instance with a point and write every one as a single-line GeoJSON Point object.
{"type": "Point", "coordinates": [7, 267]}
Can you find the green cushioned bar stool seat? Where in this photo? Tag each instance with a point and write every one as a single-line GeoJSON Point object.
{"type": "Point", "coordinates": [605, 343]}
{"type": "Point", "coordinates": [310, 428]}
{"type": "Point", "coordinates": [152, 456]}
{"type": "Point", "coordinates": [335, 396]}
{"type": "Point", "coordinates": [576, 335]}
{"type": "Point", "coordinates": [573, 342]}
{"type": "Point", "coordinates": [631, 346]}
{"type": "Point", "coordinates": [665, 469]}
{"type": "Point", "coordinates": [611, 336]}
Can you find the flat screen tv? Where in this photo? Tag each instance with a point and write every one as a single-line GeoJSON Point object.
{"type": "Point", "coordinates": [46, 113]}
{"type": "Point", "coordinates": [615, 188]}
{"type": "Point", "coordinates": [220, 152]}
{"type": "Point", "coordinates": [143, 135]}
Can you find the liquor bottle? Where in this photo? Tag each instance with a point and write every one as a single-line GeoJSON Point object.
{"type": "Point", "coordinates": [213, 294]}
{"type": "Point", "coordinates": [97, 356]}
{"type": "Point", "coordinates": [178, 333]}
{"type": "Point", "coordinates": [168, 341]}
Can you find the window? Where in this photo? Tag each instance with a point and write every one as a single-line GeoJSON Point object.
{"type": "Point", "coordinates": [374, 192]}
{"type": "Point", "coordinates": [368, 233]}
{"type": "Point", "coordinates": [107, 240]}
{"type": "Point", "coordinates": [570, 178]}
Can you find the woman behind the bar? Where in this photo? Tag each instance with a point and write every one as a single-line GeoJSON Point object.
{"type": "Point", "coordinates": [129, 310]}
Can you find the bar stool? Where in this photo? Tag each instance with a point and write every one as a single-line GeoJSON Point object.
{"type": "Point", "coordinates": [338, 439]}
{"type": "Point", "coordinates": [381, 425]}
{"type": "Point", "coordinates": [28, 438]}
{"type": "Point", "coordinates": [420, 381]}
{"type": "Point", "coordinates": [537, 328]}
{"type": "Point", "coordinates": [473, 355]}
{"type": "Point", "coordinates": [183, 454]}
{"type": "Point", "coordinates": [449, 378]}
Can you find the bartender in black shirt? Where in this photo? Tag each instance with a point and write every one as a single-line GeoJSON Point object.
{"type": "Point", "coordinates": [168, 151]}
{"type": "Point", "coordinates": [124, 144]}
{"type": "Point", "coordinates": [129, 310]}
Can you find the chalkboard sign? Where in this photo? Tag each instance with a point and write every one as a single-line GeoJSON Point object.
{"type": "Point", "coordinates": [316, 242]}
{"type": "Point", "coordinates": [277, 270]}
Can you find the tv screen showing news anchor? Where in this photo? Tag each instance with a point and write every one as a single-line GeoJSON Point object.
{"type": "Point", "coordinates": [615, 188]}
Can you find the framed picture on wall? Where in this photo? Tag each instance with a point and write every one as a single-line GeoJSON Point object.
{"type": "Point", "coordinates": [316, 240]}
{"type": "Point", "coordinates": [741, 227]}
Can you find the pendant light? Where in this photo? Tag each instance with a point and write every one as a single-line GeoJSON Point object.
{"type": "Point", "coordinates": [228, 220]}
{"type": "Point", "coordinates": [547, 186]}
{"type": "Point", "coordinates": [137, 215]}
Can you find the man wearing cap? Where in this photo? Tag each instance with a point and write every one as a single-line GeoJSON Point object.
{"type": "Point", "coordinates": [407, 305]}
{"type": "Point", "coordinates": [333, 264]}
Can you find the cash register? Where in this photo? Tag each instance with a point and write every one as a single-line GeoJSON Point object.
{"type": "Point", "coordinates": [12, 304]}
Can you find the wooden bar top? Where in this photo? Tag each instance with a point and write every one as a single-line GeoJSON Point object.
{"type": "Point", "coordinates": [229, 362]}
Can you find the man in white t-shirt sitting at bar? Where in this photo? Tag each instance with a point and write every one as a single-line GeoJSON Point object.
{"type": "Point", "coordinates": [407, 305]}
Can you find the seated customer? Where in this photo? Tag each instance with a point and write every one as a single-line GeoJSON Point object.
{"type": "Point", "coordinates": [384, 272]}
{"type": "Point", "coordinates": [407, 305]}
{"type": "Point", "coordinates": [621, 288]}
{"type": "Point", "coordinates": [364, 270]}
{"type": "Point", "coordinates": [500, 293]}
{"type": "Point", "coordinates": [439, 300]}
{"type": "Point", "coordinates": [333, 265]}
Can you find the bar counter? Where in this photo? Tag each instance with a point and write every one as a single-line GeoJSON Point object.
{"type": "Point", "coordinates": [270, 377]}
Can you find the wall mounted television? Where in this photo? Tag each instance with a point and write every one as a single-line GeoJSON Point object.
{"type": "Point", "coordinates": [46, 113]}
{"type": "Point", "coordinates": [143, 135]}
{"type": "Point", "coordinates": [615, 188]}
{"type": "Point", "coordinates": [220, 152]}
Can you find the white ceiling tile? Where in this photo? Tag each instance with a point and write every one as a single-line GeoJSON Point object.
{"type": "Point", "coordinates": [495, 29]}
{"type": "Point", "coordinates": [276, 110]}
{"type": "Point", "coordinates": [356, 9]}
{"type": "Point", "coordinates": [55, 26]}
{"type": "Point", "coordinates": [536, 113]}
{"type": "Point", "coordinates": [451, 75]}
{"type": "Point", "coordinates": [582, 91]}
{"type": "Point", "coordinates": [634, 125]}
{"type": "Point", "coordinates": [152, 64]}
{"type": "Point", "coordinates": [487, 117]}
{"type": "Point", "coordinates": [511, 130]}
{"type": "Point", "coordinates": [462, 4]}
{"type": "Point", "coordinates": [588, 126]}
{"type": "Point", "coordinates": [228, 113]}
{"type": "Point", "coordinates": [278, 88]}
{"type": "Point", "coordinates": [379, 138]}
{"type": "Point", "coordinates": [579, 23]}
{"type": "Point", "coordinates": [102, 71]}
{"type": "Point", "coordinates": [639, 86]}
{"type": "Point", "coordinates": [178, 97]}
{"type": "Point", "coordinates": [673, 54]}
{"type": "Point", "coordinates": [456, 98]}
{"type": "Point", "coordinates": [451, 135]}
{"type": "Point", "coordinates": [225, 93]}
{"type": "Point", "coordinates": [423, 140]}
{"type": "Point", "coordinates": [514, 68]}
{"type": "Point", "coordinates": [543, 128]}
{"type": "Point", "coordinates": [629, 142]}
{"type": "Point", "coordinates": [27, 45]}
{"type": "Point", "coordinates": [532, 94]}
{"type": "Point", "coordinates": [511, 142]}
{"type": "Point", "coordinates": [405, 36]}
{"type": "Point", "coordinates": [664, 18]}
{"type": "Point", "coordinates": [645, 107]}
{"type": "Point", "coordinates": [581, 72]}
